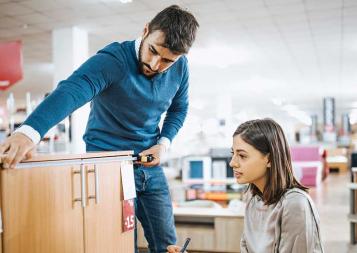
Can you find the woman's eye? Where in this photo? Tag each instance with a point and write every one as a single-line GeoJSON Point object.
{"type": "Point", "coordinates": [242, 156]}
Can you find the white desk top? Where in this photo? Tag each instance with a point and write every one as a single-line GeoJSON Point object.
{"type": "Point", "coordinates": [208, 212]}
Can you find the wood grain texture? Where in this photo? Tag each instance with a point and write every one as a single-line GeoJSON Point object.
{"type": "Point", "coordinates": [38, 214]}
{"type": "Point", "coordinates": [103, 221]}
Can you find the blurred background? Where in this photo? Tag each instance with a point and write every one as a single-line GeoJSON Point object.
{"type": "Point", "coordinates": [290, 60]}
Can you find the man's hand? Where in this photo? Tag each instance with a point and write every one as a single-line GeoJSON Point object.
{"type": "Point", "coordinates": [15, 149]}
{"type": "Point", "coordinates": [156, 151]}
{"type": "Point", "coordinates": [174, 249]}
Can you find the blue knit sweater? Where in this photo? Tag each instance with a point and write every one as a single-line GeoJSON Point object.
{"type": "Point", "coordinates": [126, 106]}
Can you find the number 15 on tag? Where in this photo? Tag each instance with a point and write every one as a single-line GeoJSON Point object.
{"type": "Point", "coordinates": [128, 222]}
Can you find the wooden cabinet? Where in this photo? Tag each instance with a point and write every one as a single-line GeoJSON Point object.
{"type": "Point", "coordinates": [65, 204]}
{"type": "Point", "coordinates": [102, 230]}
{"type": "Point", "coordinates": [38, 215]}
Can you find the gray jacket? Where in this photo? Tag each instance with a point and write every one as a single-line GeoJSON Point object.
{"type": "Point", "coordinates": [289, 226]}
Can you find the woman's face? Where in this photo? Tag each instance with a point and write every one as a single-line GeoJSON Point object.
{"type": "Point", "coordinates": [249, 164]}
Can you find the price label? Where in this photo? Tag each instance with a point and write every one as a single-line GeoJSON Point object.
{"type": "Point", "coordinates": [128, 181]}
{"type": "Point", "coordinates": [128, 215]}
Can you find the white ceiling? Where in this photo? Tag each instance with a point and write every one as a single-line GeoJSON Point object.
{"type": "Point", "coordinates": [295, 51]}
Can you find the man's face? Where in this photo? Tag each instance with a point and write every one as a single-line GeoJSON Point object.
{"type": "Point", "coordinates": [154, 58]}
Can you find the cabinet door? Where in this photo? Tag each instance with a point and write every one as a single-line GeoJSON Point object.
{"type": "Point", "coordinates": [228, 233]}
{"type": "Point", "coordinates": [103, 218]}
{"type": "Point", "coordinates": [39, 214]}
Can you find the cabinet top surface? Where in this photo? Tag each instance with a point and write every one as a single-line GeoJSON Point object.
{"type": "Point", "coordinates": [57, 157]}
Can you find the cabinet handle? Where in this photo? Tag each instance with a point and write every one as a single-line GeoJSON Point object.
{"type": "Point", "coordinates": [96, 184]}
{"type": "Point", "coordinates": [83, 190]}
{"type": "Point", "coordinates": [83, 186]}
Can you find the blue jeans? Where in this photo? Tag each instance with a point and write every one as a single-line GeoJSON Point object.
{"type": "Point", "coordinates": [153, 208]}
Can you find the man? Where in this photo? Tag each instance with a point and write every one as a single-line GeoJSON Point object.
{"type": "Point", "coordinates": [130, 85]}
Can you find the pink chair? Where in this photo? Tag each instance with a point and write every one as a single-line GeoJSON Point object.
{"type": "Point", "coordinates": [307, 164]}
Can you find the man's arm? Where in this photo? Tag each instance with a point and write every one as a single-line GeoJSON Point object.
{"type": "Point", "coordinates": [86, 82]}
{"type": "Point", "coordinates": [30, 133]}
{"type": "Point", "coordinates": [176, 114]}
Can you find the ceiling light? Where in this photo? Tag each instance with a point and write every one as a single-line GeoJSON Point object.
{"type": "Point", "coordinates": [125, 1]}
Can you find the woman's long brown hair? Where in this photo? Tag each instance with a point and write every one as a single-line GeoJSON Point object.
{"type": "Point", "coordinates": [268, 137]}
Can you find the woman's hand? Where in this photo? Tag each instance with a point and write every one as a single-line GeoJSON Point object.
{"type": "Point", "coordinates": [174, 249]}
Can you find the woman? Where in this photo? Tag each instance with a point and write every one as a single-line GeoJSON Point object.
{"type": "Point", "coordinates": [280, 216]}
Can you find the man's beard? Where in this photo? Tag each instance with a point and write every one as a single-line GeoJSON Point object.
{"type": "Point", "coordinates": [142, 64]}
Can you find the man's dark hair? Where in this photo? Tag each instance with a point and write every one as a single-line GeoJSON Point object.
{"type": "Point", "coordinates": [179, 27]}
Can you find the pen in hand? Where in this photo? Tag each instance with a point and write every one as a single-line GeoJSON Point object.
{"type": "Point", "coordinates": [185, 245]}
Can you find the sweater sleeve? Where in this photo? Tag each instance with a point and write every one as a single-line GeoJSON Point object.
{"type": "Point", "coordinates": [87, 81]}
{"type": "Point", "coordinates": [298, 226]}
{"type": "Point", "coordinates": [177, 111]}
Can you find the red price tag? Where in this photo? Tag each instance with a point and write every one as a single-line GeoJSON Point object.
{"type": "Point", "coordinates": [128, 215]}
